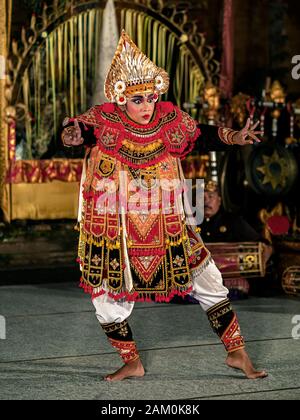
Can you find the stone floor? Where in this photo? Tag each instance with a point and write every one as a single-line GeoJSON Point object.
{"type": "Point", "coordinates": [55, 349]}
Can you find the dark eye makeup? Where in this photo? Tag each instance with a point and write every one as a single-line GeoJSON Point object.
{"type": "Point", "coordinates": [139, 99]}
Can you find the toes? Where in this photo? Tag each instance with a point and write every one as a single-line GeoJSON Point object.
{"type": "Point", "coordinates": [258, 375]}
{"type": "Point", "coordinates": [264, 374]}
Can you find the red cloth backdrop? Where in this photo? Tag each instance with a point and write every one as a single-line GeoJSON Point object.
{"type": "Point", "coordinates": [227, 63]}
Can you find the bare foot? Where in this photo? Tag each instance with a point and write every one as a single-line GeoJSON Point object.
{"type": "Point", "coordinates": [129, 370]}
{"type": "Point", "coordinates": [239, 359]}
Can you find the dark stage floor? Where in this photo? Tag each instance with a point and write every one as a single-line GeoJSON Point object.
{"type": "Point", "coordinates": [55, 349]}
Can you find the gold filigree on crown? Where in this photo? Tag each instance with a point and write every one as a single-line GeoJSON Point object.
{"type": "Point", "coordinates": [133, 73]}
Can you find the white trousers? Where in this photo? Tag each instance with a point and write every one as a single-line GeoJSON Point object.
{"type": "Point", "coordinates": [208, 290]}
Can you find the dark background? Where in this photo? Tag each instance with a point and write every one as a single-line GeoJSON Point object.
{"type": "Point", "coordinates": [266, 37]}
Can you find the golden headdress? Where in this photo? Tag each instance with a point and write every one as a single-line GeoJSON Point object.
{"type": "Point", "coordinates": [133, 73]}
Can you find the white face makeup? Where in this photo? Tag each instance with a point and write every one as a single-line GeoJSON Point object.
{"type": "Point", "coordinates": [140, 108]}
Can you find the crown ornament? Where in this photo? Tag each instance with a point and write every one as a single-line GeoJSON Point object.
{"type": "Point", "coordinates": [133, 73]}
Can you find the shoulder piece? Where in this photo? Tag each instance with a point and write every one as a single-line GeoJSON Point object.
{"type": "Point", "coordinates": [171, 131]}
{"type": "Point", "coordinates": [181, 134]}
{"type": "Point", "coordinates": [108, 128]}
{"type": "Point", "coordinates": [87, 118]}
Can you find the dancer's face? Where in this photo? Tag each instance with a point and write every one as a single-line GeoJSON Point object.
{"type": "Point", "coordinates": [140, 108]}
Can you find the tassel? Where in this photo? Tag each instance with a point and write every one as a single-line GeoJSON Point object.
{"type": "Point", "coordinates": [199, 270]}
{"type": "Point", "coordinates": [135, 296]}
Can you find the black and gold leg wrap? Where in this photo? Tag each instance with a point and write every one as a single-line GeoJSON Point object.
{"type": "Point", "coordinates": [224, 322]}
{"type": "Point", "coordinates": [120, 337]}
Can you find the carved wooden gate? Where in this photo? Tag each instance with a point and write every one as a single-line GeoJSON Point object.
{"type": "Point", "coordinates": [50, 74]}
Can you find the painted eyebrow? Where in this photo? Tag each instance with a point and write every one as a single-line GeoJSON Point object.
{"type": "Point", "coordinates": [141, 97]}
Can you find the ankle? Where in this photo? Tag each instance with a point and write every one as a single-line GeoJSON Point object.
{"type": "Point", "coordinates": [241, 352]}
{"type": "Point", "coordinates": [132, 362]}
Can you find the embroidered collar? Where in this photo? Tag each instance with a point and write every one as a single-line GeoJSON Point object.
{"type": "Point", "coordinates": [171, 131]}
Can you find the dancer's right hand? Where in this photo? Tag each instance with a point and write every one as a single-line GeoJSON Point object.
{"type": "Point", "coordinates": [71, 136]}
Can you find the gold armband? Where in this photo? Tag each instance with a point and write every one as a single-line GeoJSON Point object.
{"type": "Point", "coordinates": [226, 135]}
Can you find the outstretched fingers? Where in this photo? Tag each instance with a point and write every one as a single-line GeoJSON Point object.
{"type": "Point", "coordinates": [252, 135]}
{"type": "Point", "coordinates": [77, 130]}
{"type": "Point", "coordinates": [77, 138]}
{"type": "Point", "coordinates": [255, 125]}
{"type": "Point", "coordinates": [247, 126]}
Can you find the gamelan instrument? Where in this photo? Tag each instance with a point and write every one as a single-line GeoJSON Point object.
{"type": "Point", "coordinates": [238, 259]}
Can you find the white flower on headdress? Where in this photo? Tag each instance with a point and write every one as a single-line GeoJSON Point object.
{"type": "Point", "coordinates": [159, 82]}
{"type": "Point", "coordinates": [120, 87]}
{"type": "Point", "coordinates": [121, 99]}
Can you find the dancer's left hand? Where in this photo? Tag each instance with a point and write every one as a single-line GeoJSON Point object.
{"type": "Point", "coordinates": [241, 138]}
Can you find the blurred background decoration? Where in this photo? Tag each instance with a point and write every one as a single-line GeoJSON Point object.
{"type": "Point", "coordinates": [52, 72]}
